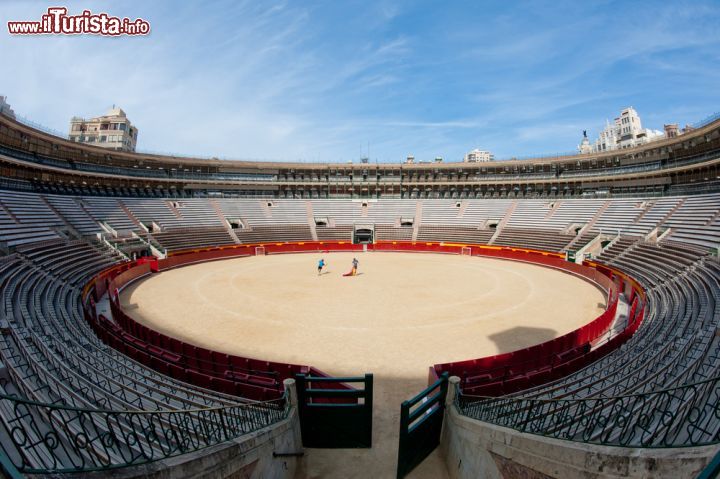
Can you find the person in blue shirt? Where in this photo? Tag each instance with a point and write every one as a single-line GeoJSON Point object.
{"type": "Point", "coordinates": [321, 264]}
{"type": "Point", "coordinates": [354, 266]}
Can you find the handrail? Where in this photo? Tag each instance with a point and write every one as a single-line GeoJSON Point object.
{"type": "Point", "coordinates": [617, 396]}
{"type": "Point", "coordinates": [7, 468]}
{"type": "Point", "coordinates": [672, 417]}
{"type": "Point", "coordinates": [46, 438]}
{"type": "Point", "coordinates": [712, 470]}
{"type": "Point", "coordinates": [243, 402]}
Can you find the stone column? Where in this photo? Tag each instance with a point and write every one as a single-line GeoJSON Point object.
{"type": "Point", "coordinates": [453, 383]}
{"type": "Point", "coordinates": [291, 389]}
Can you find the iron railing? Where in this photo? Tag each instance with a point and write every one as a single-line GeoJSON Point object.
{"type": "Point", "coordinates": [706, 121]}
{"type": "Point", "coordinates": [40, 438]}
{"type": "Point", "coordinates": [687, 415]}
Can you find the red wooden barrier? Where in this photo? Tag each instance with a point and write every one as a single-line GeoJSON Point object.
{"type": "Point", "coordinates": [257, 379]}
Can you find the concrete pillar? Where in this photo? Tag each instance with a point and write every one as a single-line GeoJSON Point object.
{"type": "Point", "coordinates": [291, 389]}
{"type": "Point", "coordinates": [453, 383]}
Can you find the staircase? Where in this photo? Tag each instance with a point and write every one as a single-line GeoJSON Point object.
{"type": "Point", "coordinates": [664, 235]}
{"type": "Point", "coordinates": [644, 212]}
{"type": "Point", "coordinates": [218, 211]}
{"type": "Point", "coordinates": [504, 221]}
{"type": "Point", "coordinates": [714, 218]}
{"type": "Point", "coordinates": [311, 219]}
{"type": "Point", "coordinates": [81, 205]}
{"type": "Point", "coordinates": [612, 242]}
{"type": "Point", "coordinates": [174, 210]}
{"type": "Point", "coordinates": [67, 224]}
{"type": "Point", "coordinates": [417, 220]}
{"type": "Point", "coordinates": [9, 213]}
{"type": "Point", "coordinates": [552, 210]}
{"type": "Point", "coordinates": [671, 212]}
{"type": "Point", "coordinates": [626, 251]}
{"type": "Point", "coordinates": [131, 216]}
{"type": "Point", "coordinates": [461, 210]}
{"type": "Point", "coordinates": [152, 244]}
{"type": "Point", "coordinates": [115, 249]}
{"type": "Point", "coordinates": [598, 214]}
{"type": "Point", "coordinates": [588, 226]}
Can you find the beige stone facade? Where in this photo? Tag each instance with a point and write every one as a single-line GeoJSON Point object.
{"type": "Point", "coordinates": [113, 131]}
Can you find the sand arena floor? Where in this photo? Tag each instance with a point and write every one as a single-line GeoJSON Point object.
{"type": "Point", "coordinates": [403, 313]}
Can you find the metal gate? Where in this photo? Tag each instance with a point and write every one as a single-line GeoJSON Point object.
{"type": "Point", "coordinates": [421, 421]}
{"type": "Point", "coordinates": [333, 414]}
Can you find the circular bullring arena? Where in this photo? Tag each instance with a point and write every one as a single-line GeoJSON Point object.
{"type": "Point", "coordinates": [509, 319]}
{"type": "Point", "coordinates": [402, 313]}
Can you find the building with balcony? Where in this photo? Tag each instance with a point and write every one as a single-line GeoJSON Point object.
{"type": "Point", "coordinates": [113, 131]}
{"type": "Point", "coordinates": [476, 156]}
{"type": "Point", "coordinates": [625, 131]}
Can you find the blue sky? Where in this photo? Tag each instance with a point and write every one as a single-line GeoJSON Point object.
{"type": "Point", "coordinates": [319, 81]}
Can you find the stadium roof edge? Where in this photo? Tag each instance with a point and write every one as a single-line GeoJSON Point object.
{"type": "Point", "coordinates": [169, 160]}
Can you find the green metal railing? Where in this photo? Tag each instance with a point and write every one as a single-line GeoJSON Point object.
{"type": "Point", "coordinates": [333, 414]}
{"type": "Point", "coordinates": [712, 470]}
{"type": "Point", "coordinates": [687, 415]}
{"type": "Point", "coordinates": [40, 438]}
{"type": "Point", "coordinates": [421, 420]}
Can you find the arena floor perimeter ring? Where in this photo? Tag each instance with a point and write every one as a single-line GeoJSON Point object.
{"type": "Point", "coordinates": [403, 313]}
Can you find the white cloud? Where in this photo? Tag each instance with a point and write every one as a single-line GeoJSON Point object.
{"type": "Point", "coordinates": [292, 80]}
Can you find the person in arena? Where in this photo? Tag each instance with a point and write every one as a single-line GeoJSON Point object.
{"type": "Point", "coordinates": [321, 264]}
{"type": "Point", "coordinates": [354, 266]}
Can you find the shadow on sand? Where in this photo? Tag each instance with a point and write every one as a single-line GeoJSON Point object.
{"type": "Point", "coordinates": [521, 337]}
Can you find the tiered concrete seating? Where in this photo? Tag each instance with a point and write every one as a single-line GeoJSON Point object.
{"type": "Point", "coordinates": [187, 238]}
{"type": "Point", "coordinates": [454, 234]}
{"type": "Point", "coordinates": [71, 211]}
{"type": "Point", "coordinates": [51, 356]}
{"type": "Point", "coordinates": [460, 221]}
{"type": "Point", "coordinates": [656, 210]}
{"type": "Point", "coordinates": [26, 218]}
{"type": "Point", "coordinates": [550, 240]}
{"type": "Point", "coordinates": [389, 212]}
{"type": "Point", "coordinates": [393, 233]}
{"type": "Point", "coordinates": [479, 212]}
{"type": "Point", "coordinates": [197, 212]}
{"type": "Point", "coordinates": [289, 212]}
{"type": "Point", "coordinates": [675, 345]}
{"type": "Point", "coordinates": [532, 214]}
{"type": "Point", "coordinates": [618, 247]}
{"type": "Point", "coordinates": [444, 212]}
{"type": "Point", "coordinates": [250, 210]}
{"type": "Point", "coordinates": [110, 211]}
{"type": "Point", "coordinates": [338, 233]}
{"type": "Point", "coordinates": [150, 211]}
{"type": "Point", "coordinates": [338, 212]}
{"type": "Point", "coordinates": [620, 216]}
{"type": "Point", "coordinates": [696, 221]}
{"type": "Point", "coordinates": [572, 211]}
{"type": "Point", "coordinates": [289, 232]}
{"type": "Point", "coordinates": [30, 209]}
{"type": "Point", "coordinates": [18, 235]}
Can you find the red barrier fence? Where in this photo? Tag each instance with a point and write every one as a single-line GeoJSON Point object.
{"type": "Point", "coordinates": [261, 380]}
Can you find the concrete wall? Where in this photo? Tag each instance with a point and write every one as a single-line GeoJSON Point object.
{"type": "Point", "coordinates": [248, 457]}
{"type": "Point", "coordinates": [474, 449]}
